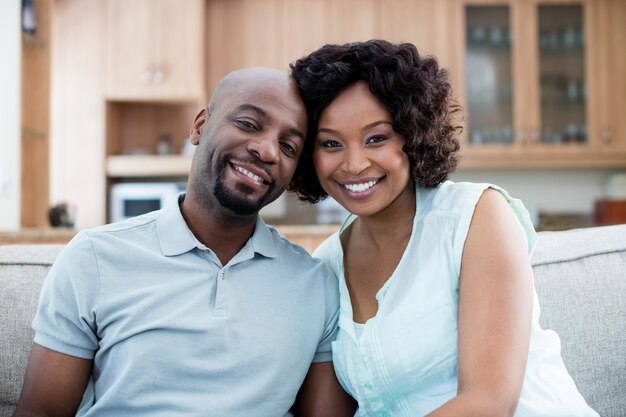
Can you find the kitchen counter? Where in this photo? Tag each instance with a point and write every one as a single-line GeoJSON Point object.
{"type": "Point", "coordinates": [307, 236]}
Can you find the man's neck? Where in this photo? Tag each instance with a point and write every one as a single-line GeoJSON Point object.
{"type": "Point", "coordinates": [222, 232]}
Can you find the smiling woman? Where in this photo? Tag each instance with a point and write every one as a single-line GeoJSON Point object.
{"type": "Point", "coordinates": [428, 269]}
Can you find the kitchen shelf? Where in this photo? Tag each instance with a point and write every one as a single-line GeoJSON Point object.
{"type": "Point", "coordinates": [133, 166]}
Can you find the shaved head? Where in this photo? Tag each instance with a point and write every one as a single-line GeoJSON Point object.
{"type": "Point", "coordinates": [238, 81]}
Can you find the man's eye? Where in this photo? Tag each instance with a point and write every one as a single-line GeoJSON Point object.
{"type": "Point", "coordinates": [289, 148]}
{"type": "Point", "coordinates": [246, 124]}
{"type": "Point", "coordinates": [329, 143]}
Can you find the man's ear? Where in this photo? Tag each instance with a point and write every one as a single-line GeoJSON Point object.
{"type": "Point", "coordinates": [198, 126]}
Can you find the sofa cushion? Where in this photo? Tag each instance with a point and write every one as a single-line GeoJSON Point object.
{"type": "Point", "coordinates": [580, 277]}
{"type": "Point", "coordinates": [22, 271]}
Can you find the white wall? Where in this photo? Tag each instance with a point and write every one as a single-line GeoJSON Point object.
{"type": "Point", "coordinates": [571, 191]}
{"type": "Point", "coordinates": [10, 132]}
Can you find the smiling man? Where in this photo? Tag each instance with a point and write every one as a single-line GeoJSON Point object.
{"type": "Point", "coordinates": [198, 309]}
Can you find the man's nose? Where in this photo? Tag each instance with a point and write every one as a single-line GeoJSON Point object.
{"type": "Point", "coordinates": [266, 148]}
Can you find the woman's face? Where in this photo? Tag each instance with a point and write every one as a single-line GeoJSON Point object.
{"type": "Point", "coordinates": [358, 156]}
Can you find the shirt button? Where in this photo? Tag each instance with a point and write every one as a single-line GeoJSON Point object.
{"type": "Point", "coordinates": [368, 385]}
{"type": "Point", "coordinates": [222, 274]}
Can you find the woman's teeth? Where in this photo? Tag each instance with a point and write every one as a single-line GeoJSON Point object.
{"type": "Point", "coordinates": [359, 188]}
{"type": "Point", "coordinates": [249, 174]}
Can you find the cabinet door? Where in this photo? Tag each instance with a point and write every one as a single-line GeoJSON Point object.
{"type": "Point", "coordinates": [484, 63]}
{"type": "Point", "coordinates": [244, 33]}
{"type": "Point", "coordinates": [563, 85]}
{"type": "Point", "coordinates": [531, 84]}
{"type": "Point", "coordinates": [155, 49]}
{"type": "Point", "coordinates": [610, 65]}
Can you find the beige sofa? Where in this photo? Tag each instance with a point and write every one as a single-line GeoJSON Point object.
{"type": "Point", "coordinates": [580, 277]}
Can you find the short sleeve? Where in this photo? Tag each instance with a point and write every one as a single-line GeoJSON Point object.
{"type": "Point", "coordinates": [467, 200]}
{"type": "Point", "coordinates": [66, 316]}
{"type": "Point", "coordinates": [331, 297]}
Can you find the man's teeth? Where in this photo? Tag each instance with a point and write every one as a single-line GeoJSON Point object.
{"type": "Point", "coordinates": [249, 174]}
{"type": "Point", "coordinates": [359, 188]}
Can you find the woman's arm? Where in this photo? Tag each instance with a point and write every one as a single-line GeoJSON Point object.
{"type": "Point", "coordinates": [495, 310]}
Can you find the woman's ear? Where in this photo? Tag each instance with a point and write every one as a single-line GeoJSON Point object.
{"type": "Point", "coordinates": [198, 126]}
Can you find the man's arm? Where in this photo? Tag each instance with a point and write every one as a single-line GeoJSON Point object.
{"type": "Point", "coordinates": [54, 384]}
{"type": "Point", "coordinates": [321, 395]}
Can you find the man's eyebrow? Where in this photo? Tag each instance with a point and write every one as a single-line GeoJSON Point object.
{"type": "Point", "coordinates": [297, 132]}
{"type": "Point", "coordinates": [251, 107]}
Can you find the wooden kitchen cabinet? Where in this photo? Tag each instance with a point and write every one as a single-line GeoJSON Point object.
{"type": "Point", "coordinates": [610, 66]}
{"type": "Point", "coordinates": [531, 85]}
{"type": "Point", "coordinates": [155, 49]}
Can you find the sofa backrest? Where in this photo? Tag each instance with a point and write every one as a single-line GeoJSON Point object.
{"type": "Point", "coordinates": [580, 277]}
{"type": "Point", "coordinates": [22, 271]}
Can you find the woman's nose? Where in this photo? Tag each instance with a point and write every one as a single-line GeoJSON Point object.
{"type": "Point", "coordinates": [355, 161]}
{"type": "Point", "coordinates": [266, 148]}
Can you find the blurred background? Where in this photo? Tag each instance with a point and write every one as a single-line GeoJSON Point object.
{"type": "Point", "coordinates": [98, 97]}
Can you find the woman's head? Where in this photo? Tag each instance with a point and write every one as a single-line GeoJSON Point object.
{"type": "Point", "coordinates": [415, 91]}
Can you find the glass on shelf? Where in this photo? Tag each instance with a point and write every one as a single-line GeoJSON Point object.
{"type": "Point", "coordinates": [488, 74]}
{"type": "Point", "coordinates": [562, 73]}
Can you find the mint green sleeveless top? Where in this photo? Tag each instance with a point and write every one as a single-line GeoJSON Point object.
{"type": "Point", "coordinates": [403, 361]}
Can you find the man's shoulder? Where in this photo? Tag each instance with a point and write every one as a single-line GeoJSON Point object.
{"type": "Point", "coordinates": [115, 235]}
{"type": "Point", "coordinates": [131, 226]}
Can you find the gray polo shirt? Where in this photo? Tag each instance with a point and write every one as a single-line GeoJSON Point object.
{"type": "Point", "coordinates": [173, 332]}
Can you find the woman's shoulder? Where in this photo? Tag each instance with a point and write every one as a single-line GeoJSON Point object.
{"type": "Point", "coordinates": [453, 196]}
{"type": "Point", "coordinates": [330, 252]}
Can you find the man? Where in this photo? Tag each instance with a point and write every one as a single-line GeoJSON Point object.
{"type": "Point", "coordinates": [198, 309]}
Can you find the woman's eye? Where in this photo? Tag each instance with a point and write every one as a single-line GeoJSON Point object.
{"type": "Point", "coordinates": [376, 139]}
{"type": "Point", "coordinates": [329, 143]}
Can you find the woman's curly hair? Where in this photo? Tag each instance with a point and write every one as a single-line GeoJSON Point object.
{"type": "Point", "coordinates": [415, 91]}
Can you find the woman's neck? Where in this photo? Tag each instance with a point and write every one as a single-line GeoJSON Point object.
{"type": "Point", "coordinates": [392, 224]}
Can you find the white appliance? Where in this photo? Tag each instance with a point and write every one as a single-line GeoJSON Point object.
{"type": "Point", "coordinates": [130, 199]}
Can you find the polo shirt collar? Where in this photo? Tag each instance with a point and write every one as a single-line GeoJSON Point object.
{"type": "Point", "coordinates": [262, 240]}
{"type": "Point", "coordinates": [175, 237]}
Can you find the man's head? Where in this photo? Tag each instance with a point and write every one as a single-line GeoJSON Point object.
{"type": "Point", "coordinates": [249, 141]}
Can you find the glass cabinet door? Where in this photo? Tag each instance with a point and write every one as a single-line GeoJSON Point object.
{"type": "Point", "coordinates": [488, 74]}
{"type": "Point", "coordinates": [562, 86]}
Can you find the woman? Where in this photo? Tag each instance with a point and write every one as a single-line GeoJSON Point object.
{"type": "Point", "coordinates": [438, 313]}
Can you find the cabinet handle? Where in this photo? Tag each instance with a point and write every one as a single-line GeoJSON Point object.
{"type": "Point", "coordinates": [146, 76]}
{"type": "Point", "coordinates": [158, 76]}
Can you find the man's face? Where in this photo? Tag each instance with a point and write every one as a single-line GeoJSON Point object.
{"type": "Point", "coordinates": [249, 145]}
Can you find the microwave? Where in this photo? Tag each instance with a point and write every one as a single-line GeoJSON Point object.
{"type": "Point", "coordinates": [130, 199]}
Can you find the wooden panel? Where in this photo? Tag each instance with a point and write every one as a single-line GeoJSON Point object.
{"type": "Point", "coordinates": [77, 145]}
{"type": "Point", "coordinates": [243, 33]}
{"type": "Point", "coordinates": [131, 46]}
{"type": "Point", "coordinates": [307, 27]}
{"type": "Point", "coordinates": [155, 49]}
{"type": "Point", "coordinates": [36, 119]}
{"type": "Point", "coordinates": [418, 22]}
{"type": "Point", "coordinates": [135, 127]}
{"type": "Point", "coordinates": [611, 66]}
{"type": "Point", "coordinates": [355, 20]}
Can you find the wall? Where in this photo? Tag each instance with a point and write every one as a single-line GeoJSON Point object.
{"type": "Point", "coordinates": [571, 191]}
{"type": "Point", "coordinates": [10, 115]}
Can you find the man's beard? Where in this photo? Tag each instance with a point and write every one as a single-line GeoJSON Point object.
{"type": "Point", "coordinates": [230, 200]}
